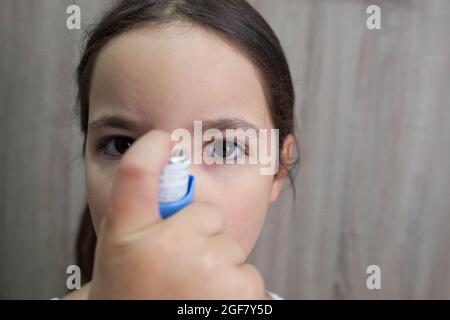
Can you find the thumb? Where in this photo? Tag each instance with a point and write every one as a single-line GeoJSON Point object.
{"type": "Point", "coordinates": [135, 192]}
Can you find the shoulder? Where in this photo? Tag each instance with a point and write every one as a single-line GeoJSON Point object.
{"type": "Point", "coordinates": [274, 296]}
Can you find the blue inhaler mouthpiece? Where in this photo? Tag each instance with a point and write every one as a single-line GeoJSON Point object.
{"type": "Point", "coordinates": [176, 185]}
{"type": "Point", "coordinates": [170, 208]}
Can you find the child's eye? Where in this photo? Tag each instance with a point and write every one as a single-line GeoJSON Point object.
{"type": "Point", "coordinates": [115, 146]}
{"type": "Point", "coordinates": [225, 149]}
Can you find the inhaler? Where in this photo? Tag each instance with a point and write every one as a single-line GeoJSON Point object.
{"type": "Point", "coordinates": [176, 185]}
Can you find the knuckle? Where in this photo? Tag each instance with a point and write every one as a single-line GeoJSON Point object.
{"type": "Point", "coordinates": [208, 262]}
{"type": "Point", "coordinates": [207, 267]}
{"type": "Point", "coordinates": [213, 213]}
{"type": "Point", "coordinates": [211, 264]}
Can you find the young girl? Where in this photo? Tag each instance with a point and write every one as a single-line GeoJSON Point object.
{"type": "Point", "coordinates": [148, 68]}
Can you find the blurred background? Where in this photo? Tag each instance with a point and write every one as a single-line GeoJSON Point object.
{"type": "Point", "coordinates": [373, 187]}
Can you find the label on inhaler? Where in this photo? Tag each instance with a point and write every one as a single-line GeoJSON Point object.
{"type": "Point", "coordinates": [176, 185]}
{"type": "Point", "coordinates": [173, 182]}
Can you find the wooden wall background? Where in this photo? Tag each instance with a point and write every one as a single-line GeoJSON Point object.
{"type": "Point", "coordinates": [373, 187]}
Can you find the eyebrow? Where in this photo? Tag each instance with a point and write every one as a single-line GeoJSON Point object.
{"type": "Point", "coordinates": [228, 123]}
{"type": "Point", "coordinates": [221, 124]}
{"type": "Point", "coordinates": [111, 122]}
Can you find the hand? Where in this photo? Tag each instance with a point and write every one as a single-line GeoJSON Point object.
{"type": "Point", "coordinates": [188, 256]}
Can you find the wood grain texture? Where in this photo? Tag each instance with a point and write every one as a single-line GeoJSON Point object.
{"type": "Point", "coordinates": [373, 109]}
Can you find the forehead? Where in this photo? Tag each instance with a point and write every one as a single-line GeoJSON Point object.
{"type": "Point", "coordinates": [169, 75]}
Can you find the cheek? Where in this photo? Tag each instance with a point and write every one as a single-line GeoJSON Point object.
{"type": "Point", "coordinates": [98, 191]}
{"type": "Point", "coordinates": [244, 196]}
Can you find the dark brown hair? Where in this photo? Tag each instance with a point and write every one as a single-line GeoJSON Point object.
{"type": "Point", "coordinates": [235, 21]}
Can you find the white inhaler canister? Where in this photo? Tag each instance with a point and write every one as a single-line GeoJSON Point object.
{"type": "Point", "coordinates": [176, 185]}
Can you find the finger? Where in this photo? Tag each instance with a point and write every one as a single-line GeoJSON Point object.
{"type": "Point", "coordinates": [253, 282]}
{"type": "Point", "coordinates": [135, 193]}
{"type": "Point", "coordinates": [205, 218]}
{"type": "Point", "coordinates": [231, 250]}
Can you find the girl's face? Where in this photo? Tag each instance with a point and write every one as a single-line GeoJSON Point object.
{"type": "Point", "coordinates": [166, 77]}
